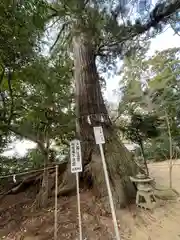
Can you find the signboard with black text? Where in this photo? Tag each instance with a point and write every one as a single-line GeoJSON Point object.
{"type": "Point", "coordinates": [76, 158]}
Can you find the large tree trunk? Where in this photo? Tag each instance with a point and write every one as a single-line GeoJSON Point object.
{"type": "Point", "coordinates": [91, 111]}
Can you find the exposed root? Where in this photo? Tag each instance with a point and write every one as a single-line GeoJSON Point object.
{"type": "Point", "coordinates": [26, 182]}
{"type": "Point", "coordinates": [30, 180]}
{"type": "Point", "coordinates": [68, 184]}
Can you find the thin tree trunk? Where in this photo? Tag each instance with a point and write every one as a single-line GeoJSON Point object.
{"type": "Point", "coordinates": [42, 198]}
{"type": "Point", "coordinates": [144, 157]}
{"type": "Point", "coordinates": [170, 150]}
{"type": "Point", "coordinates": [91, 111]}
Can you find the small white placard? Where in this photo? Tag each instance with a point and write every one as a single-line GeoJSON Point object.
{"type": "Point", "coordinates": [75, 154]}
{"type": "Point", "coordinates": [99, 135]}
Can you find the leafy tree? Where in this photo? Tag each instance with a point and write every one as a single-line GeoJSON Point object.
{"type": "Point", "coordinates": [140, 129]}
{"type": "Point", "coordinates": [157, 94]}
{"type": "Point", "coordinates": [35, 93]}
{"type": "Point", "coordinates": [96, 34]}
{"type": "Point", "coordinates": [164, 92]}
{"type": "Point", "coordinates": [42, 109]}
{"type": "Point", "coordinates": [91, 32]}
{"type": "Point", "coordinates": [22, 26]}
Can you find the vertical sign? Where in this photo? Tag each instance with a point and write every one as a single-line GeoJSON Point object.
{"type": "Point", "coordinates": [75, 154]}
{"type": "Point", "coordinates": [76, 167]}
{"type": "Point", "coordinates": [99, 138]}
{"type": "Point", "coordinates": [99, 135]}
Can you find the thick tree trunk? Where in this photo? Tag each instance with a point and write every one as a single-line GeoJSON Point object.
{"type": "Point", "coordinates": [91, 111]}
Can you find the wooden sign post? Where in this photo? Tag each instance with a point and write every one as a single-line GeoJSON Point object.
{"type": "Point", "coordinates": [56, 206]}
{"type": "Point", "coordinates": [99, 138]}
{"type": "Point", "coordinates": [76, 167]}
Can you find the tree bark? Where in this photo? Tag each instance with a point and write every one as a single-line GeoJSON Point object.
{"type": "Point", "coordinates": [42, 198]}
{"type": "Point", "coordinates": [144, 157]}
{"type": "Point", "coordinates": [170, 150]}
{"type": "Point", "coordinates": [91, 111]}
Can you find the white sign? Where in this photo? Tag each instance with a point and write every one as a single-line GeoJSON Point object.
{"type": "Point", "coordinates": [75, 154]}
{"type": "Point", "coordinates": [99, 135]}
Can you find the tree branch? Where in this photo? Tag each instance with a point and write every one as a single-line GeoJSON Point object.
{"type": "Point", "coordinates": [2, 95]}
{"type": "Point", "coordinates": [59, 34]}
{"type": "Point", "coordinates": [86, 2]}
{"type": "Point", "coordinates": [20, 133]}
{"type": "Point", "coordinates": [3, 117]}
{"type": "Point", "coordinates": [54, 14]}
{"type": "Point", "coordinates": [11, 96]}
{"type": "Point", "coordinates": [2, 75]}
{"type": "Point", "coordinates": [161, 13]}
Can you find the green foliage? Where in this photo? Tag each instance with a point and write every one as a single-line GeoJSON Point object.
{"type": "Point", "coordinates": [16, 164]}
{"type": "Point", "coordinates": [141, 128]}
{"type": "Point", "coordinates": [10, 165]}
{"type": "Point", "coordinates": [107, 27]}
{"type": "Point", "coordinates": [36, 93]}
{"type": "Point", "coordinates": [158, 150]}
{"type": "Point", "coordinates": [43, 100]}
{"type": "Point", "coordinates": [158, 96]}
{"type": "Point", "coordinates": [43, 111]}
{"type": "Point", "coordinates": [22, 25]}
{"type": "Point", "coordinates": [35, 158]}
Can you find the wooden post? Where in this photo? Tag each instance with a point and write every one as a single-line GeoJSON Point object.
{"type": "Point", "coordinates": [56, 206]}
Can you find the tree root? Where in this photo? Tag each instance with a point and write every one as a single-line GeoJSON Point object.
{"type": "Point", "coordinates": [68, 184]}
{"type": "Point", "coordinates": [22, 185]}
{"type": "Point", "coordinates": [30, 179]}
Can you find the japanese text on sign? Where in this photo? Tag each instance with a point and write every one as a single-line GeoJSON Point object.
{"type": "Point", "coordinates": [99, 135]}
{"type": "Point", "coordinates": [75, 154]}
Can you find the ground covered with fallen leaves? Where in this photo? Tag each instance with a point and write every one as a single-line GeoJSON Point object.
{"type": "Point", "coordinates": [18, 221]}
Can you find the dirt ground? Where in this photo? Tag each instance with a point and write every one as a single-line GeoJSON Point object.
{"type": "Point", "coordinates": [17, 222]}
